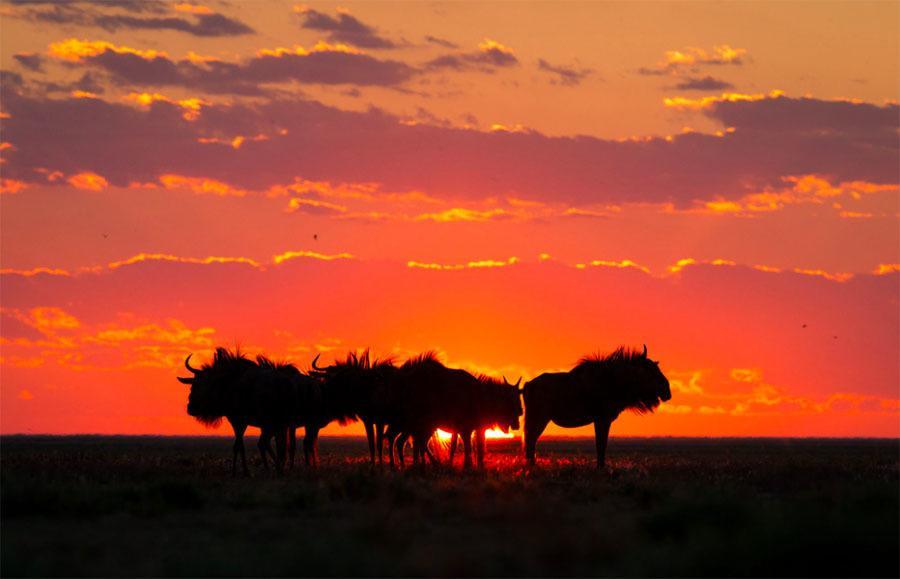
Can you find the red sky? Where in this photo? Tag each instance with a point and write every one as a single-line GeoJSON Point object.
{"type": "Point", "coordinates": [513, 185]}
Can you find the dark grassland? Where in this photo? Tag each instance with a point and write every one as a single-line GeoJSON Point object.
{"type": "Point", "coordinates": [168, 506]}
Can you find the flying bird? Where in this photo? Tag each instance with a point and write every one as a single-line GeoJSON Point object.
{"type": "Point", "coordinates": [315, 236]}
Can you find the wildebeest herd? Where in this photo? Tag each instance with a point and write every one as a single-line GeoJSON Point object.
{"type": "Point", "coordinates": [412, 400]}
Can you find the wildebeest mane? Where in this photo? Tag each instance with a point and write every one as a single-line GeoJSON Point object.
{"type": "Point", "coordinates": [225, 359]}
{"type": "Point", "coordinates": [424, 359]}
{"type": "Point", "coordinates": [620, 355]}
{"type": "Point", "coordinates": [269, 364]}
{"type": "Point", "coordinates": [596, 365]}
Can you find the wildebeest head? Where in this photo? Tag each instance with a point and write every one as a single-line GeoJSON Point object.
{"type": "Point", "coordinates": [510, 405]}
{"type": "Point", "coordinates": [650, 385]}
{"type": "Point", "coordinates": [213, 385]}
{"type": "Point", "coordinates": [502, 405]}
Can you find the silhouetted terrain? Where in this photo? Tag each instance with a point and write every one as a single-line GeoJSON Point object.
{"type": "Point", "coordinates": [168, 506]}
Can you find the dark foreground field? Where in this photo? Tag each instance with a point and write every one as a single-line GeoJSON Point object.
{"type": "Point", "coordinates": [166, 506]}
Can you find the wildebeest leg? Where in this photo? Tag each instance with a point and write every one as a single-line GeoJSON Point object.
{"type": "Point", "coordinates": [401, 442]}
{"type": "Point", "coordinates": [467, 449]}
{"type": "Point", "coordinates": [280, 440]}
{"type": "Point", "coordinates": [601, 435]}
{"type": "Point", "coordinates": [391, 437]}
{"type": "Point", "coordinates": [479, 447]}
{"type": "Point", "coordinates": [379, 441]}
{"type": "Point", "coordinates": [454, 439]}
{"type": "Point", "coordinates": [534, 427]}
{"type": "Point", "coordinates": [370, 438]}
{"type": "Point", "coordinates": [239, 430]}
{"type": "Point", "coordinates": [309, 445]}
{"type": "Point", "coordinates": [263, 445]}
{"type": "Point", "coordinates": [292, 448]}
{"type": "Point", "coordinates": [434, 458]}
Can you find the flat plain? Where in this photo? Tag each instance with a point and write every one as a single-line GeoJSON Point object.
{"type": "Point", "coordinates": [154, 506]}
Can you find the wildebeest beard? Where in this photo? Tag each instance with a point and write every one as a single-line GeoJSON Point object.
{"type": "Point", "coordinates": [210, 421]}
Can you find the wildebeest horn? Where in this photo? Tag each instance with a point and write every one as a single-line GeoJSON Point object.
{"type": "Point", "coordinates": [314, 362]}
{"type": "Point", "coordinates": [187, 364]}
{"type": "Point", "coordinates": [645, 350]}
{"type": "Point", "coordinates": [519, 381]}
{"type": "Point", "coordinates": [185, 380]}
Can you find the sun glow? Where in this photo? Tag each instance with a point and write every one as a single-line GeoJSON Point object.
{"type": "Point", "coordinates": [491, 433]}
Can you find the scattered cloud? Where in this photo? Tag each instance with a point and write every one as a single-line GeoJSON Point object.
{"type": "Point", "coordinates": [30, 60]}
{"type": "Point", "coordinates": [704, 83]}
{"type": "Point", "coordinates": [490, 56]}
{"type": "Point", "coordinates": [481, 264]}
{"type": "Point", "coordinates": [765, 138]}
{"type": "Point", "coordinates": [462, 214]}
{"type": "Point", "coordinates": [691, 59]}
{"type": "Point", "coordinates": [192, 19]}
{"type": "Point", "coordinates": [342, 28]}
{"type": "Point", "coordinates": [440, 42]}
{"type": "Point", "coordinates": [289, 255]}
{"type": "Point", "coordinates": [797, 190]}
{"type": "Point", "coordinates": [565, 75]}
{"type": "Point", "coordinates": [88, 181]}
{"type": "Point", "coordinates": [322, 64]}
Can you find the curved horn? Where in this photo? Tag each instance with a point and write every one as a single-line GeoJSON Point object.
{"type": "Point", "coordinates": [314, 362]}
{"type": "Point", "coordinates": [187, 364]}
{"type": "Point", "coordinates": [519, 381]}
{"type": "Point", "coordinates": [645, 350]}
{"type": "Point", "coordinates": [185, 380]}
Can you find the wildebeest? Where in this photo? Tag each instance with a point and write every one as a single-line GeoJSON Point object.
{"type": "Point", "coordinates": [428, 396]}
{"type": "Point", "coordinates": [357, 387]}
{"type": "Point", "coordinates": [493, 407]}
{"type": "Point", "coordinates": [308, 404]}
{"type": "Point", "coordinates": [247, 393]}
{"type": "Point", "coordinates": [595, 391]}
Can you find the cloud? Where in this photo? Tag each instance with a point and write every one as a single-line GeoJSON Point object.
{"type": "Point", "coordinates": [201, 20]}
{"type": "Point", "coordinates": [704, 83]}
{"type": "Point", "coordinates": [566, 76]}
{"type": "Point", "coordinates": [125, 344]}
{"type": "Point", "coordinates": [462, 214]}
{"type": "Point", "coordinates": [693, 58]}
{"type": "Point", "coordinates": [88, 181]}
{"type": "Point", "coordinates": [766, 138]}
{"type": "Point", "coordinates": [30, 60]}
{"type": "Point", "coordinates": [797, 190]}
{"type": "Point", "coordinates": [314, 207]}
{"type": "Point", "coordinates": [11, 186]}
{"type": "Point", "coordinates": [709, 102]}
{"type": "Point", "coordinates": [204, 25]}
{"type": "Point", "coordinates": [343, 28]}
{"type": "Point", "coordinates": [490, 56]}
{"type": "Point", "coordinates": [289, 255]}
{"type": "Point", "coordinates": [441, 42]}
{"type": "Point", "coordinates": [322, 64]}
{"type": "Point", "coordinates": [479, 264]}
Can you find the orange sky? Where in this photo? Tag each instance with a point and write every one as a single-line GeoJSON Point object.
{"type": "Point", "coordinates": [513, 185]}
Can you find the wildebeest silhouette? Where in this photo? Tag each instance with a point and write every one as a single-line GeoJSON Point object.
{"type": "Point", "coordinates": [357, 387]}
{"type": "Point", "coordinates": [595, 391]}
{"type": "Point", "coordinates": [492, 407]}
{"type": "Point", "coordinates": [428, 396]}
{"type": "Point", "coordinates": [307, 404]}
{"type": "Point", "coordinates": [247, 393]}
